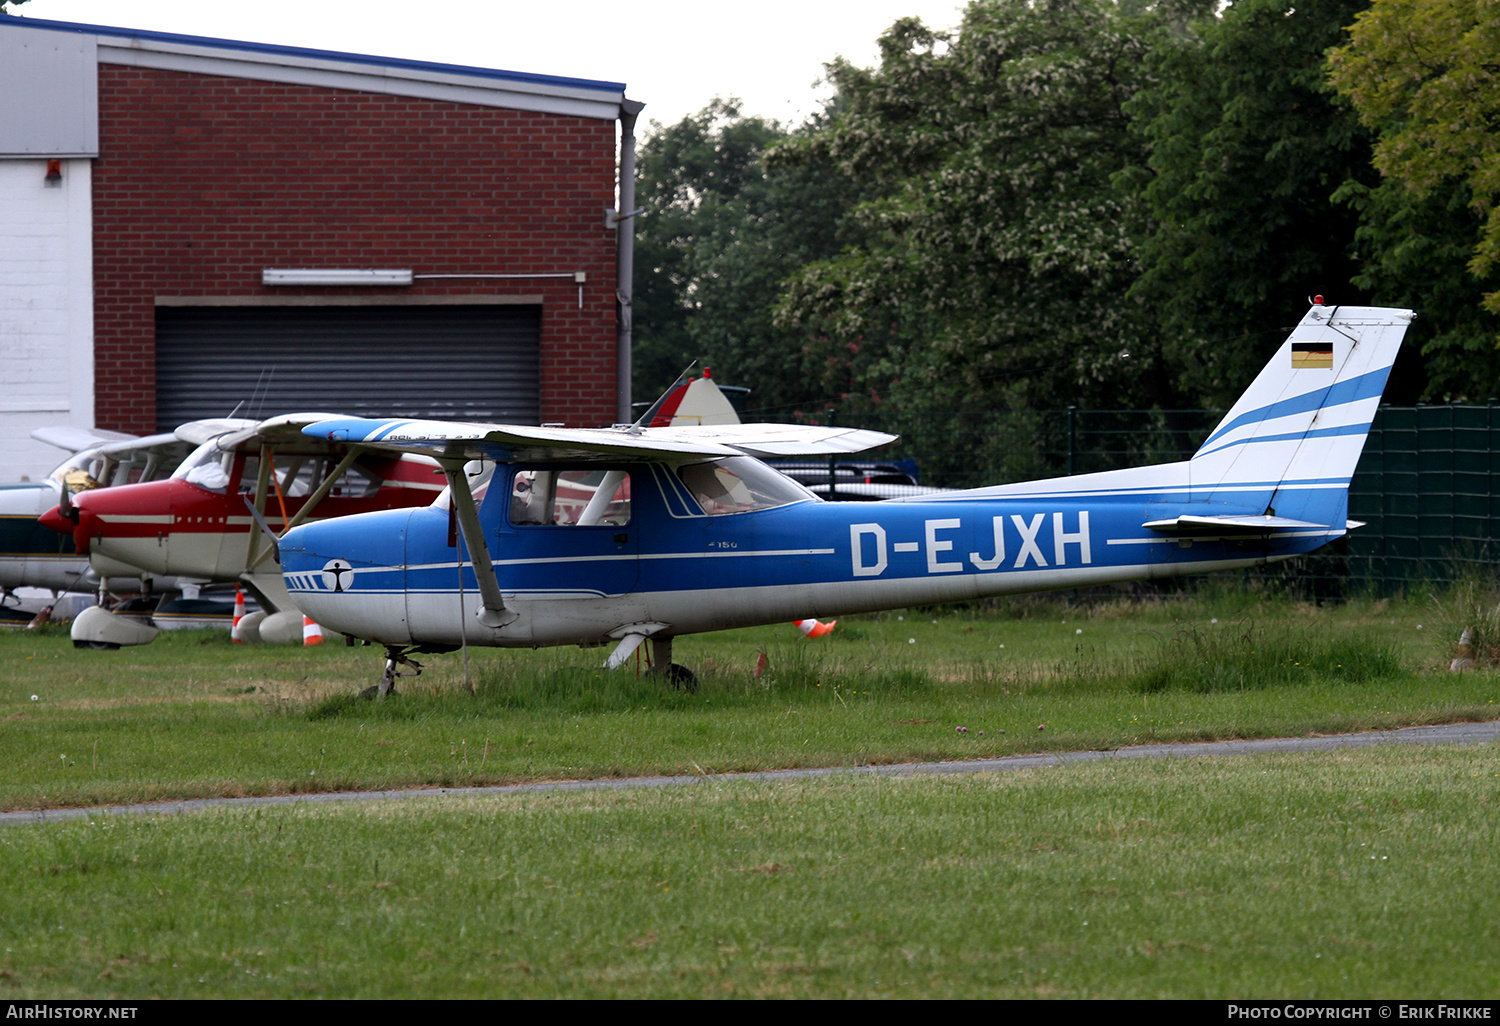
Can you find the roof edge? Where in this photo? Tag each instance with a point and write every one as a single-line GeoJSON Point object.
{"type": "Point", "coordinates": [310, 54]}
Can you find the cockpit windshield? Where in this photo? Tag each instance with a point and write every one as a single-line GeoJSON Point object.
{"type": "Point", "coordinates": [82, 471]}
{"type": "Point", "coordinates": [207, 466]}
{"type": "Point", "coordinates": [740, 484]}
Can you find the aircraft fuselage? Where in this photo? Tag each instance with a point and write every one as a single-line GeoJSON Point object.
{"type": "Point", "coordinates": [402, 576]}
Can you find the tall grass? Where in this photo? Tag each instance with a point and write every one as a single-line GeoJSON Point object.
{"type": "Point", "coordinates": [1467, 615]}
{"type": "Point", "coordinates": [1255, 655]}
{"type": "Point", "coordinates": [559, 682]}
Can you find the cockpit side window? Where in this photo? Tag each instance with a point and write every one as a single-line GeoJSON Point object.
{"type": "Point", "coordinates": [301, 476]}
{"type": "Point", "coordinates": [585, 497]}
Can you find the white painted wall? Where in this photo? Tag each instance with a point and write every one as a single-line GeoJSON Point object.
{"type": "Point", "coordinates": [46, 309]}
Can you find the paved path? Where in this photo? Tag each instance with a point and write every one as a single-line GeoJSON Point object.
{"type": "Point", "coordinates": [1456, 733]}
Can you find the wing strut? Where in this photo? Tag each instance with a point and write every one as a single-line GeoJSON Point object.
{"type": "Point", "coordinates": [323, 490]}
{"type": "Point", "coordinates": [492, 612]}
{"type": "Point", "coordinates": [258, 510]}
{"type": "Point", "coordinates": [257, 555]}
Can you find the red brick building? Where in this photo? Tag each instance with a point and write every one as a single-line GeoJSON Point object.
{"type": "Point", "coordinates": [294, 229]}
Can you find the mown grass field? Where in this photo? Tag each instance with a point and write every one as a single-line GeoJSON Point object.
{"type": "Point", "coordinates": [1363, 873]}
{"type": "Point", "coordinates": [1347, 874]}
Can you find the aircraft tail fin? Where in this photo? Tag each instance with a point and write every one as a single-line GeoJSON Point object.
{"type": "Point", "coordinates": [1288, 447]}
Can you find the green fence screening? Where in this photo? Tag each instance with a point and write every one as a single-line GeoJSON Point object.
{"type": "Point", "coordinates": [1427, 486]}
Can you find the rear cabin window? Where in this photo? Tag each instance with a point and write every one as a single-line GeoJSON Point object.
{"type": "Point", "coordinates": [570, 498]}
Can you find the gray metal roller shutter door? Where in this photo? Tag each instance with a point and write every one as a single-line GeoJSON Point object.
{"type": "Point", "coordinates": [447, 362]}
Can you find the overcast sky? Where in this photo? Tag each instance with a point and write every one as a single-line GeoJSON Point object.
{"type": "Point", "coordinates": [673, 55]}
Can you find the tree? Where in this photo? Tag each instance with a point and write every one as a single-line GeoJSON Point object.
{"type": "Point", "coordinates": [721, 233]}
{"type": "Point", "coordinates": [1423, 75]}
{"type": "Point", "coordinates": [992, 263]}
{"type": "Point", "coordinates": [1248, 148]}
{"type": "Point", "coordinates": [1416, 248]}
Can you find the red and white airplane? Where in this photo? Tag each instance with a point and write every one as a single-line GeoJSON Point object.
{"type": "Point", "coordinates": [217, 518]}
{"type": "Point", "coordinates": [32, 556]}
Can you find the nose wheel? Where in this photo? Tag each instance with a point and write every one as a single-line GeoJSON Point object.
{"type": "Point", "coordinates": [395, 659]}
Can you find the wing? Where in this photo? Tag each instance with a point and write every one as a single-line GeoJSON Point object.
{"type": "Point", "coordinates": [283, 434]}
{"type": "Point", "coordinates": [126, 461]}
{"type": "Point", "coordinates": [76, 439]}
{"type": "Point", "coordinates": [507, 443]}
{"type": "Point", "coordinates": [196, 432]}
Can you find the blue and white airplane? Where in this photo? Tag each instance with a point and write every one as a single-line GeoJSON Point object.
{"type": "Point", "coordinates": [558, 536]}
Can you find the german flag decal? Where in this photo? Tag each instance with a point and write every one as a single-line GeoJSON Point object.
{"type": "Point", "coordinates": [1312, 356]}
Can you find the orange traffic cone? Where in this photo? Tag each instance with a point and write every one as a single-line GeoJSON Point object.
{"type": "Point", "coordinates": [814, 629]}
{"type": "Point", "coordinates": [239, 614]}
{"type": "Point", "coordinates": [312, 634]}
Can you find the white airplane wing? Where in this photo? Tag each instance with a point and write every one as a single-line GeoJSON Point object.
{"type": "Point", "coordinates": [283, 433]}
{"type": "Point", "coordinates": [123, 461]}
{"type": "Point", "coordinates": [196, 432]}
{"type": "Point", "coordinates": [453, 440]}
{"type": "Point", "coordinates": [75, 439]}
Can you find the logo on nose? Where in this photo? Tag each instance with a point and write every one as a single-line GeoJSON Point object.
{"type": "Point", "coordinates": [335, 573]}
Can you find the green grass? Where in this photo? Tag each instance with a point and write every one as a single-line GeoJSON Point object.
{"type": "Point", "coordinates": [1359, 873]}
{"type": "Point", "coordinates": [194, 716]}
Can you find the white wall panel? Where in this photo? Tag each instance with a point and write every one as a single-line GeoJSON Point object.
{"type": "Point", "coordinates": [51, 84]}
{"type": "Point", "coordinates": [46, 310]}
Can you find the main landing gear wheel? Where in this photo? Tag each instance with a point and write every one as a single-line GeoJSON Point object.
{"type": "Point", "coordinates": [681, 678]}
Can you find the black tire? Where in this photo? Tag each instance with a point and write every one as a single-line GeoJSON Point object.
{"type": "Point", "coordinates": [681, 678]}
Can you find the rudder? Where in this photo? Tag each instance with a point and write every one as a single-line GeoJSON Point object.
{"type": "Point", "coordinates": [1290, 444]}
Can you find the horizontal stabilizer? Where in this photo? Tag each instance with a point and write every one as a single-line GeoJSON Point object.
{"type": "Point", "coordinates": [1236, 524]}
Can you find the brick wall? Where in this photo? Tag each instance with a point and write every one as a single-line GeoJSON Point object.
{"type": "Point", "coordinates": [202, 181]}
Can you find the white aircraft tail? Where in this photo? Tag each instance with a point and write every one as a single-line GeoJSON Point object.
{"type": "Point", "coordinates": [1288, 448]}
{"type": "Point", "coordinates": [1281, 459]}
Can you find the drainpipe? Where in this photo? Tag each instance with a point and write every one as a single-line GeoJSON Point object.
{"type": "Point", "coordinates": [625, 257]}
